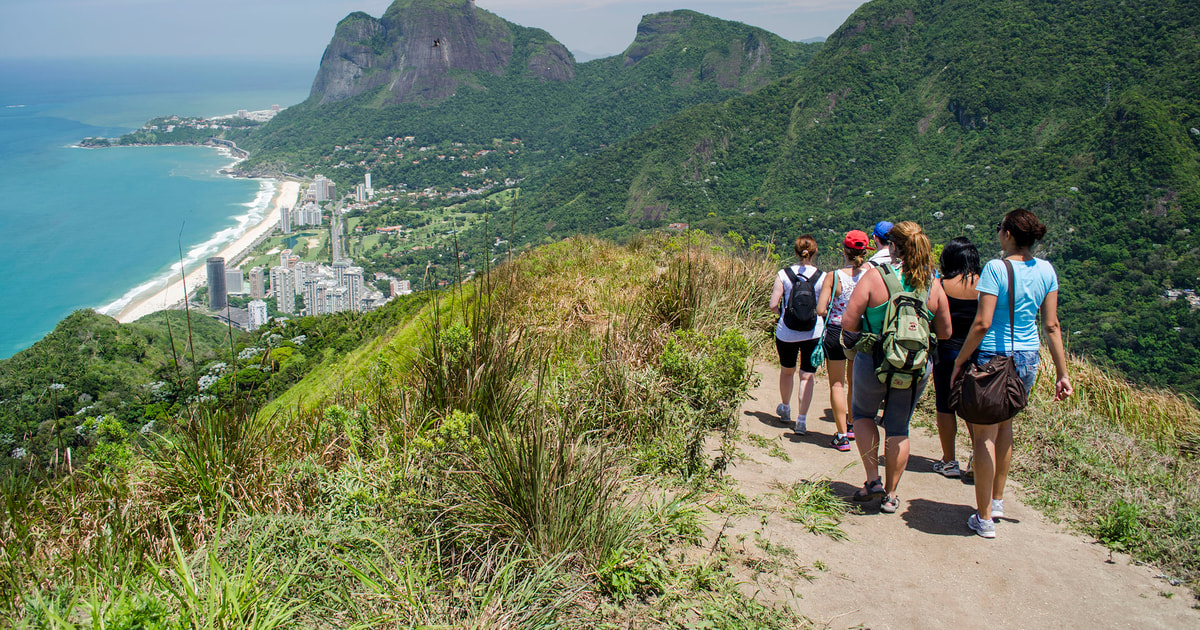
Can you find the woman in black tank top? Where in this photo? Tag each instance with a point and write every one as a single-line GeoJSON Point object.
{"type": "Point", "coordinates": [960, 273]}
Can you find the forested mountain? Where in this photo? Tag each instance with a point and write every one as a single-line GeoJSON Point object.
{"type": "Point", "coordinates": [446, 71]}
{"type": "Point", "coordinates": [950, 113]}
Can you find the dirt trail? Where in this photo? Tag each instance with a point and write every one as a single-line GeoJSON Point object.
{"type": "Point", "coordinates": [922, 567]}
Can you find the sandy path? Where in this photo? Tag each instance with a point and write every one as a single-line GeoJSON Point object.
{"type": "Point", "coordinates": [173, 292]}
{"type": "Point", "coordinates": [922, 567]}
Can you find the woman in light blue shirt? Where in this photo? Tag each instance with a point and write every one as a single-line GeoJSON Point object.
{"type": "Point", "coordinates": [1036, 286]}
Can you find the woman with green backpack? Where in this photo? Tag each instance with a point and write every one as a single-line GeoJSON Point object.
{"type": "Point", "coordinates": [891, 319]}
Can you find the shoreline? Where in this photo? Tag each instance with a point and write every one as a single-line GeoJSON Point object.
{"type": "Point", "coordinates": [172, 294]}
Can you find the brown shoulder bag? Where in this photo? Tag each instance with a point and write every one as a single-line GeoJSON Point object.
{"type": "Point", "coordinates": [992, 393]}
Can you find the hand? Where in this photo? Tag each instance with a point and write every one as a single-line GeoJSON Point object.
{"type": "Point", "coordinates": [1063, 389]}
{"type": "Point", "coordinates": [957, 373]}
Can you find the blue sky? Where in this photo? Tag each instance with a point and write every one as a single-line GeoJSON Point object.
{"type": "Point", "coordinates": [298, 30]}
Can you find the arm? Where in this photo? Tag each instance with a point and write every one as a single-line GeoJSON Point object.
{"type": "Point", "coordinates": [1062, 387]}
{"type": "Point", "coordinates": [776, 295]}
{"type": "Point", "coordinates": [979, 328]}
{"type": "Point", "coordinates": [826, 294]}
{"type": "Point", "coordinates": [942, 326]}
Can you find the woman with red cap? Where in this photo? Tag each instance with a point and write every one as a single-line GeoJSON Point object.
{"type": "Point", "coordinates": [839, 361]}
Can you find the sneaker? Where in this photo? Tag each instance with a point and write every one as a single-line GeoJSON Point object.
{"type": "Point", "coordinates": [850, 434]}
{"type": "Point", "coordinates": [997, 508]}
{"type": "Point", "coordinates": [840, 442]}
{"type": "Point", "coordinates": [987, 529]}
{"type": "Point", "coordinates": [801, 428]}
{"type": "Point", "coordinates": [947, 469]}
{"type": "Point", "coordinates": [784, 412]}
{"type": "Point", "coordinates": [890, 504]}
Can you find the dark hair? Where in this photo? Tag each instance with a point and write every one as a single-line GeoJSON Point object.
{"type": "Point", "coordinates": [806, 247]}
{"type": "Point", "coordinates": [1024, 226]}
{"type": "Point", "coordinates": [960, 258]}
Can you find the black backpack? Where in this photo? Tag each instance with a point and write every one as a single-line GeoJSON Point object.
{"type": "Point", "coordinates": [800, 308]}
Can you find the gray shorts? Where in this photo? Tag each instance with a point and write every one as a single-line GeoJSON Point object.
{"type": "Point", "coordinates": [869, 394]}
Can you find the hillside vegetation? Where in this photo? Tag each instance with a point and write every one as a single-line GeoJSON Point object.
{"type": "Point", "coordinates": [952, 113]}
{"type": "Point", "coordinates": [532, 449]}
{"type": "Point", "coordinates": [677, 60]}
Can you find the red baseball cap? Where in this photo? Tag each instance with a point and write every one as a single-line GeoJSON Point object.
{"type": "Point", "coordinates": [855, 239]}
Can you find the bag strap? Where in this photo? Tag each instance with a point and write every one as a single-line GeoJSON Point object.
{"type": "Point", "coordinates": [1012, 304]}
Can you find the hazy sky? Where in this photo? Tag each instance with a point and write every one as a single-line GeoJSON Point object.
{"type": "Point", "coordinates": [298, 30]}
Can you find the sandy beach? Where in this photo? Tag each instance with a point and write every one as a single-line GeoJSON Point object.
{"type": "Point", "coordinates": [173, 293]}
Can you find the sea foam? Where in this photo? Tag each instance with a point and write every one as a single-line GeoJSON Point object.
{"type": "Point", "coordinates": [198, 254]}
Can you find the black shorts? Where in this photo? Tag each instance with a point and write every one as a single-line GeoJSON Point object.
{"type": "Point", "coordinates": [789, 351]}
{"type": "Point", "coordinates": [943, 369]}
{"type": "Point", "coordinates": [833, 343]}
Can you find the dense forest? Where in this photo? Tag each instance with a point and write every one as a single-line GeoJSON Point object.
{"type": "Point", "coordinates": [950, 114]}
{"type": "Point", "coordinates": [607, 100]}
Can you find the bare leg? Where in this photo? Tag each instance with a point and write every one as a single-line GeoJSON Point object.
{"type": "Point", "coordinates": [868, 446]}
{"type": "Point", "coordinates": [896, 459]}
{"type": "Point", "coordinates": [985, 467]}
{"type": "Point", "coordinates": [947, 426]}
{"type": "Point", "coordinates": [1004, 450]}
{"type": "Point", "coordinates": [837, 393]}
{"type": "Point", "coordinates": [806, 392]}
{"type": "Point", "coordinates": [785, 384]}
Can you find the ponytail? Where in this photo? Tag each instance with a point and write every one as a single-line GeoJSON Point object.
{"type": "Point", "coordinates": [915, 250]}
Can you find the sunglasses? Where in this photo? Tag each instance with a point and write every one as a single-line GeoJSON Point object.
{"type": "Point", "coordinates": [1000, 226]}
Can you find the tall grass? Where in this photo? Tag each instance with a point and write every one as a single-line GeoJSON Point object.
{"type": "Point", "coordinates": [1165, 418]}
{"type": "Point", "coordinates": [497, 473]}
{"type": "Point", "coordinates": [1117, 462]}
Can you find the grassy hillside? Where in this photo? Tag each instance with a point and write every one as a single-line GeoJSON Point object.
{"type": "Point", "coordinates": [951, 113]}
{"type": "Point", "coordinates": [529, 451]}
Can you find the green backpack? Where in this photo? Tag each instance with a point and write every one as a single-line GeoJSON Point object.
{"type": "Point", "coordinates": [902, 351]}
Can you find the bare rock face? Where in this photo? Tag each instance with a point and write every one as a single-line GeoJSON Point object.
{"type": "Point", "coordinates": [703, 48]}
{"type": "Point", "coordinates": [423, 50]}
{"type": "Point", "coordinates": [654, 32]}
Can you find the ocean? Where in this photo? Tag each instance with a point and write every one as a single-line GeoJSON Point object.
{"type": "Point", "coordinates": [87, 228]}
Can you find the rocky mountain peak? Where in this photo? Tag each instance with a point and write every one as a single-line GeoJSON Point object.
{"type": "Point", "coordinates": [423, 50]}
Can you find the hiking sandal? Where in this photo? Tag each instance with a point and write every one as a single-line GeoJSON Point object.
{"type": "Point", "coordinates": [890, 504]}
{"type": "Point", "coordinates": [870, 490]}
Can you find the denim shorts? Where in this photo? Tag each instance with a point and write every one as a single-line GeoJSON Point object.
{"type": "Point", "coordinates": [869, 394]}
{"type": "Point", "coordinates": [1026, 360]}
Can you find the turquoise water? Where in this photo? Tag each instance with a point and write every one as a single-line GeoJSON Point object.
{"type": "Point", "coordinates": [84, 228]}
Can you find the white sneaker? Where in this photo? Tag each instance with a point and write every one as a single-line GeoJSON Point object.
{"type": "Point", "coordinates": [784, 412]}
{"type": "Point", "coordinates": [997, 508]}
{"type": "Point", "coordinates": [801, 428]}
{"type": "Point", "coordinates": [987, 529]}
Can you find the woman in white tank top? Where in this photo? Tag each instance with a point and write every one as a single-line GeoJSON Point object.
{"type": "Point", "coordinates": [834, 296]}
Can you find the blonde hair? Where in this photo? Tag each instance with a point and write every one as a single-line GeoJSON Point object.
{"type": "Point", "coordinates": [806, 247]}
{"type": "Point", "coordinates": [913, 247]}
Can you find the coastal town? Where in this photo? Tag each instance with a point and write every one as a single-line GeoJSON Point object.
{"type": "Point", "coordinates": [292, 286]}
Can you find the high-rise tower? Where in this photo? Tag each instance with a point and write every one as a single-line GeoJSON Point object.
{"type": "Point", "coordinates": [216, 283]}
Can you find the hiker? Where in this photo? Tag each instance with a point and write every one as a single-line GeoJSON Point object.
{"type": "Point", "coordinates": [797, 337]}
{"type": "Point", "coordinates": [839, 361]}
{"type": "Point", "coordinates": [1036, 289]}
{"type": "Point", "coordinates": [883, 255]}
{"type": "Point", "coordinates": [960, 272]}
{"type": "Point", "coordinates": [910, 274]}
